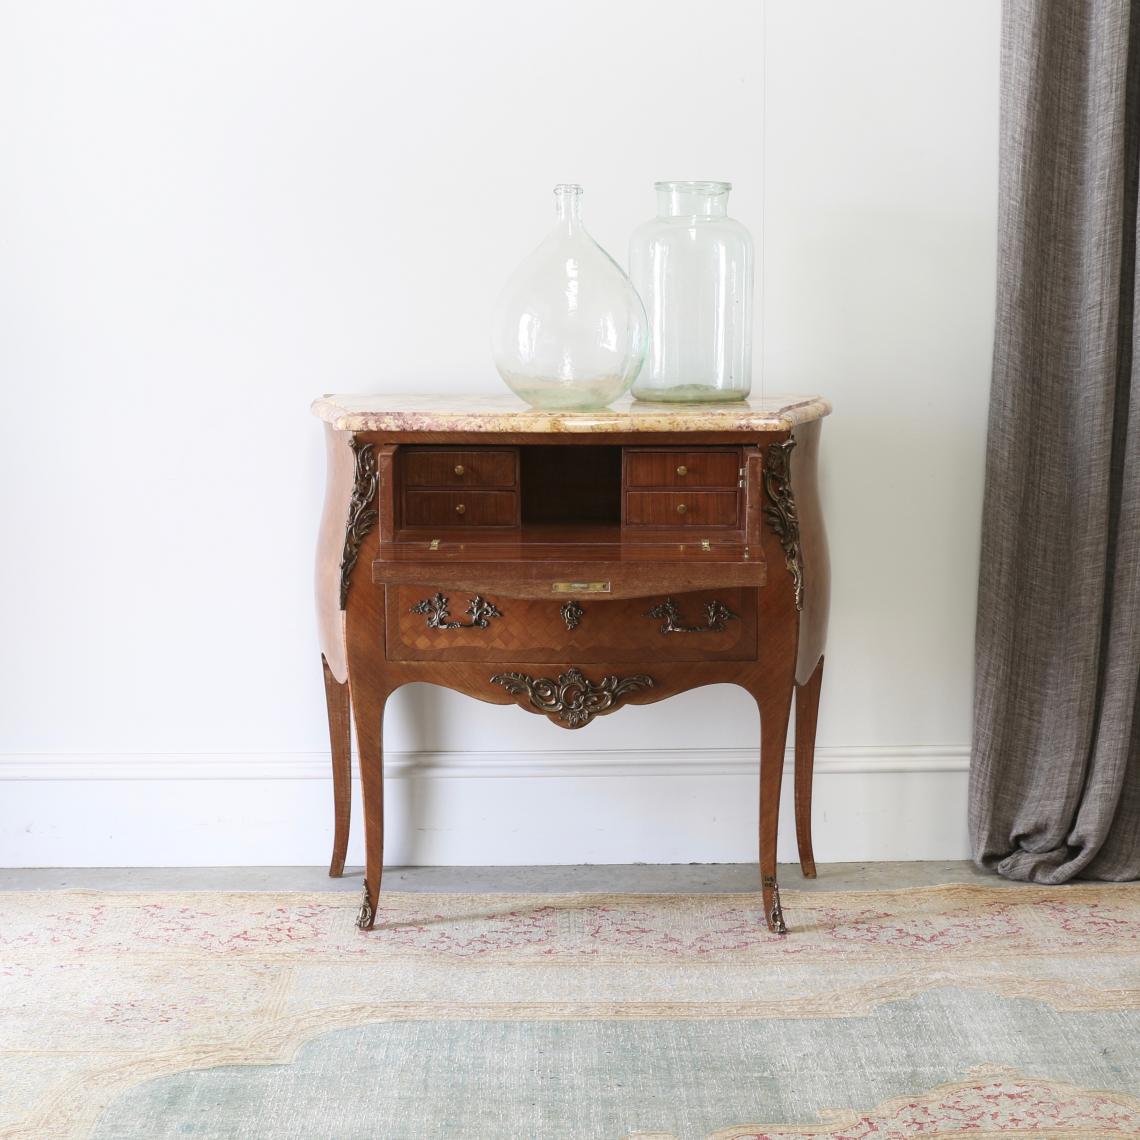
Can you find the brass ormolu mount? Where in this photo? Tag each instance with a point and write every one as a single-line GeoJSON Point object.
{"type": "Point", "coordinates": [479, 610]}
{"type": "Point", "coordinates": [716, 614]}
{"type": "Point", "coordinates": [571, 697]}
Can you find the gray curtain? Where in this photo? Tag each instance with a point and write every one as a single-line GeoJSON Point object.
{"type": "Point", "coordinates": [1055, 773]}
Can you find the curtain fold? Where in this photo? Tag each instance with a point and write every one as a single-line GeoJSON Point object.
{"type": "Point", "coordinates": [1055, 770]}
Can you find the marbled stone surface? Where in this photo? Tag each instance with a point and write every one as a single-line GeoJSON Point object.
{"type": "Point", "coordinates": [506, 413]}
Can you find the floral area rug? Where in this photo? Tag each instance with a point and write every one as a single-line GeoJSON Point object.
{"type": "Point", "coordinates": [937, 1012]}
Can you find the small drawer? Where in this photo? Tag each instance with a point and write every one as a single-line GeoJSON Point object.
{"type": "Point", "coordinates": [454, 467]}
{"type": "Point", "coordinates": [704, 467]}
{"type": "Point", "coordinates": [461, 508]}
{"type": "Point", "coordinates": [678, 508]}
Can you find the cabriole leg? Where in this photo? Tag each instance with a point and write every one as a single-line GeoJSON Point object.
{"type": "Point", "coordinates": [775, 709]}
{"type": "Point", "coordinates": [368, 709]}
{"type": "Point", "coordinates": [338, 706]}
{"type": "Point", "coordinates": [807, 713]}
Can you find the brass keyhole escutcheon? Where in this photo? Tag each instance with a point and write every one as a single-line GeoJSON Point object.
{"type": "Point", "coordinates": [681, 508]}
{"type": "Point", "coordinates": [459, 469]}
{"type": "Point", "coordinates": [460, 509]}
{"type": "Point", "coordinates": [682, 470]}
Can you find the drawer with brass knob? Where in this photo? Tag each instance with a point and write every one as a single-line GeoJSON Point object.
{"type": "Point", "coordinates": [682, 508]}
{"type": "Point", "coordinates": [691, 467]}
{"type": "Point", "coordinates": [460, 508]}
{"type": "Point", "coordinates": [460, 467]}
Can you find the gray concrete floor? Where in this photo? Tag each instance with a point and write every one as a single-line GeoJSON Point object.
{"type": "Point", "coordinates": [694, 878]}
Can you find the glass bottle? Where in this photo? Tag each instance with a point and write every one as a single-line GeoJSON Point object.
{"type": "Point", "coordinates": [569, 329]}
{"type": "Point", "coordinates": [692, 266]}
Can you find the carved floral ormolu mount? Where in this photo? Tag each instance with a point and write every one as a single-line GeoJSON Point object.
{"type": "Point", "coordinates": [716, 614]}
{"type": "Point", "coordinates": [782, 513]}
{"type": "Point", "coordinates": [479, 610]}
{"type": "Point", "coordinates": [361, 514]}
{"type": "Point", "coordinates": [572, 698]}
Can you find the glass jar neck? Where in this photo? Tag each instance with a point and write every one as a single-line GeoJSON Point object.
{"type": "Point", "coordinates": [692, 199]}
{"type": "Point", "coordinates": [568, 204]}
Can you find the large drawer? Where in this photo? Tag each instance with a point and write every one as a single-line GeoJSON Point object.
{"type": "Point", "coordinates": [426, 624]}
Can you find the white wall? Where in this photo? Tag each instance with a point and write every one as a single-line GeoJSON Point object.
{"type": "Point", "coordinates": [211, 213]}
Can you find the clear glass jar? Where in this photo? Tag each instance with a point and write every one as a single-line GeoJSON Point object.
{"type": "Point", "coordinates": [692, 266]}
{"type": "Point", "coordinates": [569, 329]}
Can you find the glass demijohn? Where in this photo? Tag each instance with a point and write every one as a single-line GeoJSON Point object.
{"type": "Point", "coordinates": [569, 329]}
{"type": "Point", "coordinates": [692, 266]}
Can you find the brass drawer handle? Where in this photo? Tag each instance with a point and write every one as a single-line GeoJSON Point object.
{"type": "Point", "coordinates": [682, 470]}
{"type": "Point", "coordinates": [681, 508]}
{"type": "Point", "coordinates": [460, 509]}
{"type": "Point", "coordinates": [716, 614]}
{"type": "Point", "coordinates": [479, 610]}
{"type": "Point", "coordinates": [459, 469]}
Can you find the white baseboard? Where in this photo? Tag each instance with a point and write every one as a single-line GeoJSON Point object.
{"type": "Point", "coordinates": [404, 765]}
{"type": "Point", "coordinates": [251, 809]}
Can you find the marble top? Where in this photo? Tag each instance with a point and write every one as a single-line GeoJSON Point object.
{"type": "Point", "coordinates": [507, 413]}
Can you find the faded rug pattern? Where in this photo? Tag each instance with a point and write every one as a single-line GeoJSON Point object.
{"type": "Point", "coordinates": [944, 1011]}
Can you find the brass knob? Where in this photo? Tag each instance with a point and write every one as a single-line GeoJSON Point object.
{"type": "Point", "coordinates": [460, 508]}
{"type": "Point", "coordinates": [459, 469]}
{"type": "Point", "coordinates": [681, 508]}
{"type": "Point", "coordinates": [682, 470]}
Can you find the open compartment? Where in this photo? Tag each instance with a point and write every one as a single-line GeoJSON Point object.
{"type": "Point", "coordinates": [567, 486]}
{"type": "Point", "coordinates": [569, 538]}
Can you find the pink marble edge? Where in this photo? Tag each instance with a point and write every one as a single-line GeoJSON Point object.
{"type": "Point", "coordinates": [504, 413]}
